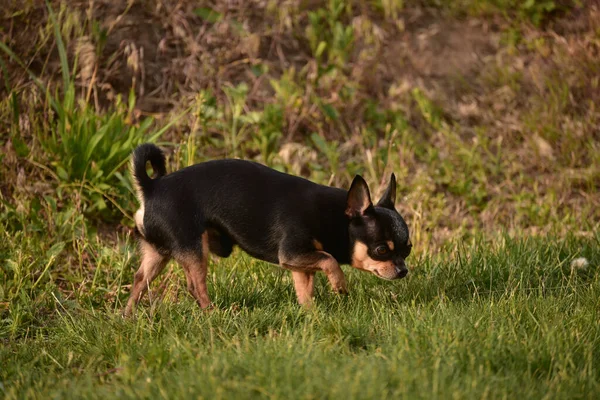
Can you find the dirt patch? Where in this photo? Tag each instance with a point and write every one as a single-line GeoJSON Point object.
{"type": "Point", "coordinates": [444, 57]}
{"type": "Point", "coordinates": [134, 55]}
{"type": "Point", "coordinates": [437, 51]}
{"type": "Point", "coordinates": [166, 51]}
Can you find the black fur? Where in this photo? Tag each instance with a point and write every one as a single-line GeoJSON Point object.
{"type": "Point", "coordinates": [141, 156]}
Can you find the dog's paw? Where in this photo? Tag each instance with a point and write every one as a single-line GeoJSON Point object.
{"type": "Point", "coordinates": [209, 308]}
{"type": "Point", "coordinates": [128, 313]}
{"type": "Point", "coordinates": [342, 290]}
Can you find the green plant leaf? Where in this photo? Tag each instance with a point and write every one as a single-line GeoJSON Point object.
{"type": "Point", "coordinates": [56, 249]}
{"type": "Point", "coordinates": [62, 173]}
{"type": "Point", "coordinates": [330, 111]}
{"type": "Point", "coordinates": [62, 52]}
{"type": "Point", "coordinates": [319, 142]}
{"type": "Point", "coordinates": [320, 49]}
{"type": "Point", "coordinates": [20, 146]}
{"type": "Point", "coordinates": [208, 14]}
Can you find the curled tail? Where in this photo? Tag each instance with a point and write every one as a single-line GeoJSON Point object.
{"type": "Point", "coordinates": [141, 155]}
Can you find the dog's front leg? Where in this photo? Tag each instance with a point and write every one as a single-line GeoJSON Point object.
{"type": "Point", "coordinates": [334, 273]}
{"type": "Point", "coordinates": [304, 267]}
{"type": "Point", "coordinates": [304, 285]}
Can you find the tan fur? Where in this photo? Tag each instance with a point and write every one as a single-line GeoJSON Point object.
{"type": "Point", "coordinates": [361, 260]}
{"type": "Point", "coordinates": [139, 214]}
{"type": "Point", "coordinates": [390, 245]}
{"type": "Point", "coordinates": [318, 245]}
{"type": "Point", "coordinates": [312, 263]}
{"type": "Point", "coordinates": [136, 185]}
{"type": "Point", "coordinates": [335, 275]}
{"type": "Point", "coordinates": [304, 285]}
{"type": "Point", "coordinates": [152, 264]}
{"type": "Point", "coordinates": [139, 220]}
{"type": "Point", "coordinates": [195, 267]}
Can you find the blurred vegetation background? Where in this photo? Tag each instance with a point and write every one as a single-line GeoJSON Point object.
{"type": "Point", "coordinates": [487, 110]}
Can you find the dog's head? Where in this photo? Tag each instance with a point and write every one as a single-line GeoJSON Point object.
{"type": "Point", "coordinates": [379, 237]}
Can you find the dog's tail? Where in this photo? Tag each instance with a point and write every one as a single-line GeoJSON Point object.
{"type": "Point", "coordinates": [141, 155]}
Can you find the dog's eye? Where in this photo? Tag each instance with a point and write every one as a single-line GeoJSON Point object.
{"type": "Point", "coordinates": [381, 250]}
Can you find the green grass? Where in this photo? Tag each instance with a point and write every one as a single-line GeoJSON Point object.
{"type": "Point", "coordinates": [491, 319]}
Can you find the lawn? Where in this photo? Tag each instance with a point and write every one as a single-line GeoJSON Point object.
{"type": "Point", "coordinates": [486, 111]}
{"type": "Point", "coordinates": [483, 320]}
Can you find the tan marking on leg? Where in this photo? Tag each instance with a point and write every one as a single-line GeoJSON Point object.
{"type": "Point", "coordinates": [318, 245]}
{"type": "Point", "coordinates": [152, 264]}
{"type": "Point", "coordinates": [334, 273]}
{"type": "Point", "coordinates": [390, 244]}
{"type": "Point", "coordinates": [310, 285]}
{"type": "Point", "coordinates": [319, 261]}
{"type": "Point", "coordinates": [195, 267]}
{"type": "Point", "coordinates": [304, 285]}
{"type": "Point", "coordinates": [361, 260]}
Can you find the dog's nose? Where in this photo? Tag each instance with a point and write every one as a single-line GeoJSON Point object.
{"type": "Point", "coordinates": [401, 273]}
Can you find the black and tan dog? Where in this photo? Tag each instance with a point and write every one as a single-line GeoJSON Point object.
{"type": "Point", "coordinates": [275, 217]}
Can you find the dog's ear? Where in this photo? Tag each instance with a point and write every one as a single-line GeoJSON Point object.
{"type": "Point", "coordinates": [388, 200]}
{"type": "Point", "coordinates": [359, 199]}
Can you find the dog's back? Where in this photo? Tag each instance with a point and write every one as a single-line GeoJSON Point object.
{"type": "Point", "coordinates": [242, 200]}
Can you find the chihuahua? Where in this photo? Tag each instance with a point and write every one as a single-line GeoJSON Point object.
{"type": "Point", "coordinates": [275, 217]}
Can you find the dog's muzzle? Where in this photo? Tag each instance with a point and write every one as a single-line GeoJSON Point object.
{"type": "Point", "coordinates": [401, 272]}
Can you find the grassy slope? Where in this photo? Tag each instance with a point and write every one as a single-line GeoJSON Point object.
{"type": "Point", "coordinates": [505, 142]}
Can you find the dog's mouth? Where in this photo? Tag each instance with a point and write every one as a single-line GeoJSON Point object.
{"type": "Point", "coordinates": [399, 275]}
{"type": "Point", "coordinates": [387, 278]}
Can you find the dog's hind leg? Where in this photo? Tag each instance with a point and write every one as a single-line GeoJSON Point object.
{"type": "Point", "coordinates": [195, 266]}
{"type": "Point", "coordinates": [152, 264]}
